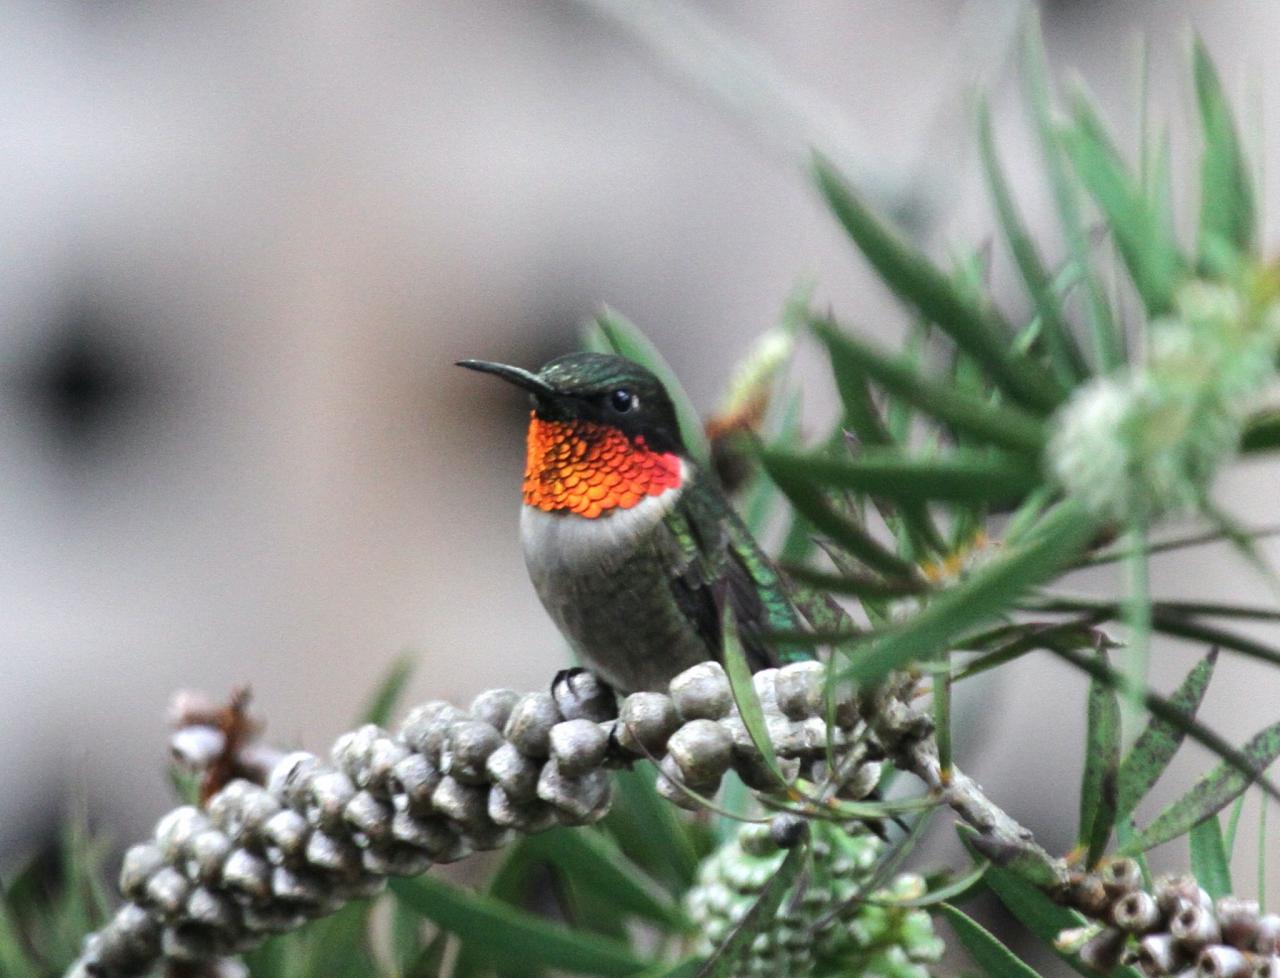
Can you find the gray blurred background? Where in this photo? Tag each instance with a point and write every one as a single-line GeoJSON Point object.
{"type": "Point", "coordinates": [241, 245]}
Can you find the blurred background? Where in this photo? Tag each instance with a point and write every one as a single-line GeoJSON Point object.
{"type": "Point", "coordinates": [242, 244]}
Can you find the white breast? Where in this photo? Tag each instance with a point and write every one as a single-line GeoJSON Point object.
{"type": "Point", "coordinates": [560, 542]}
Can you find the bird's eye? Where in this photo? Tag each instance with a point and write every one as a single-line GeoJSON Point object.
{"type": "Point", "coordinates": [623, 400]}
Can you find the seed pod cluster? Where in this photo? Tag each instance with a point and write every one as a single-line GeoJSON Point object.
{"type": "Point", "coordinates": [1173, 929]}
{"type": "Point", "coordinates": [821, 922]}
{"type": "Point", "coordinates": [261, 859]}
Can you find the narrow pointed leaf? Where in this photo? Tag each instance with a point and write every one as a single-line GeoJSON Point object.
{"type": "Point", "coordinates": [722, 964]}
{"type": "Point", "coordinates": [819, 515]}
{"type": "Point", "coordinates": [383, 703]}
{"type": "Point", "coordinates": [1226, 194]}
{"type": "Point", "coordinates": [1180, 626]}
{"type": "Point", "coordinates": [596, 862]}
{"type": "Point", "coordinates": [506, 935]}
{"type": "Point", "coordinates": [1107, 346]}
{"type": "Point", "coordinates": [1160, 739]}
{"type": "Point", "coordinates": [1098, 788]}
{"type": "Point", "coordinates": [853, 585]}
{"type": "Point", "coordinates": [648, 831]}
{"type": "Point", "coordinates": [744, 695]}
{"type": "Point", "coordinates": [1002, 425]}
{"type": "Point", "coordinates": [626, 339]}
{"type": "Point", "coordinates": [1214, 791]}
{"type": "Point", "coordinates": [992, 958]}
{"type": "Point", "coordinates": [1054, 544]}
{"type": "Point", "coordinates": [1148, 250]}
{"type": "Point", "coordinates": [1235, 761]}
{"type": "Point", "coordinates": [976, 328]}
{"type": "Point", "coordinates": [960, 476]}
{"type": "Point", "coordinates": [1209, 858]}
{"type": "Point", "coordinates": [1069, 365]}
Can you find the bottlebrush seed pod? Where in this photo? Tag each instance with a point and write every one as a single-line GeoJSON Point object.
{"type": "Point", "coordinates": [702, 692]}
{"type": "Point", "coordinates": [285, 835]}
{"type": "Point", "coordinates": [494, 706]}
{"type": "Point", "coordinates": [1239, 921]}
{"type": "Point", "coordinates": [1193, 927]}
{"type": "Point", "coordinates": [578, 746]}
{"type": "Point", "coordinates": [1268, 939]}
{"type": "Point", "coordinates": [530, 723]}
{"type": "Point", "coordinates": [701, 750]}
{"type": "Point", "coordinates": [1121, 876]}
{"type": "Point", "coordinates": [1136, 912]}
{"type": "Point", "coordinates": [581, 695]}
{"type": "Point", "coordinates": [800, 690]}
{"type": "Point", "coordinates": [1221, 961]}
{"type": "Point", "coordinates": [1103, 951]}
{"type": "Point", "coordinates": [1160, 954]}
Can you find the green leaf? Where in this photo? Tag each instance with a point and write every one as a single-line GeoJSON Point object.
{"type": "Point", "coordinates": [819, 515]}
{"type": "Point", "coordinates": [1101, 766]}
{"type": "Point", "coordinates": [429, 961]}
{"type": "Point", "coordinates": [960, 476]}
{"type": "Point", "coordinates": [649, 832]}
{"type": "Point", "coordinates": [1002, 425]}
{"type": "Point", "coordinates": [1068, 364]}
{"type": "Point", "coordinates": [599, 865]}
{"type": "Point", "coordinates": [506, 935]}
{"type": "Point", "coordinates": [995, 960]}
{"type": "Point", "coordinates": [1226, 195]}
{"type": "Point", "coordinates": [853, 585]}
{"type": "Point", "coordinates": [1160, 739]}
{"type": "Point", "coordinates": [1148, 250]}
{"type": "Point", "coordinates": [382, 705]}
{"type": "Point", "coordinates": [1215, 790]}
{"type": "Point", "coordinates": [1209, 858]}
{"type": "Point", "coordinates": [1056, 541]}
{"type": "Point", "coordinates": [1107, 344]}
{"type": "Point", "coordinates": [1261, 432]}
{"type": "Point", "coordinates": [1180, 626]}
{"type": "Point", "coordinates": [744, 695]}
{"type": "Point", "coordinates": [626, 340]}
{"type": "Point", "coordinates": [1233, 759]}
{"type": "Point", "coordinates": [721, 964]}
{"type": "Point", "coordinates": [976, 328]}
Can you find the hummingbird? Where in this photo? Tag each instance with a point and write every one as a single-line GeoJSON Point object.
{"type": "Point", "coordinates": [631, 546]}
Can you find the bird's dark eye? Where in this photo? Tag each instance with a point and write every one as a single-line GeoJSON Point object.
{"type": "Point", "coordinates": [623, 400]}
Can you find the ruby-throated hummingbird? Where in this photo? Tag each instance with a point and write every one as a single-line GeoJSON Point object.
{"type": "Point", "coordinates": [631, 547]}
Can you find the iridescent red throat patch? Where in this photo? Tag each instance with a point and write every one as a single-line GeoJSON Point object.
{"type": "Point", "coordinates": [590, 469]}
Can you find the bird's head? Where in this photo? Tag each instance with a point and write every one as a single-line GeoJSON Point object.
{"type": "Point", "coordinates": [603, 433]}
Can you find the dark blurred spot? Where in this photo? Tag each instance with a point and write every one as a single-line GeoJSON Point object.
{"type": "Point", "coordinates": [82, 384]}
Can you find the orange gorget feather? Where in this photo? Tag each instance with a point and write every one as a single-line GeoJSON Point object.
{"type": "Point", "coordinates": [591, 469]}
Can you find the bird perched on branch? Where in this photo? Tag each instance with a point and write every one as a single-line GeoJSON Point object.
{"type": "Point", "coordinates": [633, 550]}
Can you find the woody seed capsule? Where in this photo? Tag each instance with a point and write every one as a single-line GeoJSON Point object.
{"type": "Point", "coordinates": [529, 726]}
{"type": "Point", "coordinates": [1220, 961]}
{"type": "Point", "coordinates": [167, 890]}
{"type": "Point", "coordinates": [578, 746]}
{"type": "Point", "coordinates": [426, 727]}
{"type": "Point", "coordinates": [1268, 939]}
{"type": "Point", "coordinates": [701, 750]}
{"type": "Point", "coordinates": [577, 799]}
{"type": "Point", "coordinates": [645, 722]}
{"type": "Point", "coordinates": [290, 781]}
{"type": "Point", "coordinates": [131, 938]}
{"type": "Point", "coordinates": [332, 854]}
{"type": "Point", "coordinates": [494, 706]}
{"type": "Point", "coordinates": [286, 836]}
{"type": "Point", "coordinates": [1120, 876]}
{"type": "Point", "coordinates": [1193, 927]}
{"type": "Point", "coordinates": [247, 874]}
{"type": "Point", "coordinates": [1136, 912]}
{"type": "Point", "coordinates": [178, 828]}
{"type": "Point", "coordinates": [413, 779]}
{"type": "Point", "coordinates": [1159, 955]}
{"type": "Point", "coordinates": [800, 689]}
{"type": "Point", "coordinates": [702, 692]}
{"type": "Point", "coordinates": [1238, 920]}
{"type": "Point", "coordinates": [208, 851]}
{"type": "Point", "coordinates": [369, 816]}
{"type": "Point", "coordinates": [581, 695]}
{"type": "Point", "coordinates": [515, 773]}
{"type": "Point", "coordinates": [330, 794]}
{"type": "Point", "coordinates": [466, 750]}
{"type": "Point", "coordinates": [140, 863]}
{"type": "Point", "coordinates": [208, 909]}
{"type": "Point", "coordinates": [465, 804]}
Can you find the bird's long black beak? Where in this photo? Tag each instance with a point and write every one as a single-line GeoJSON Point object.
{"type": "Point", "coordinates": [512, 375]}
